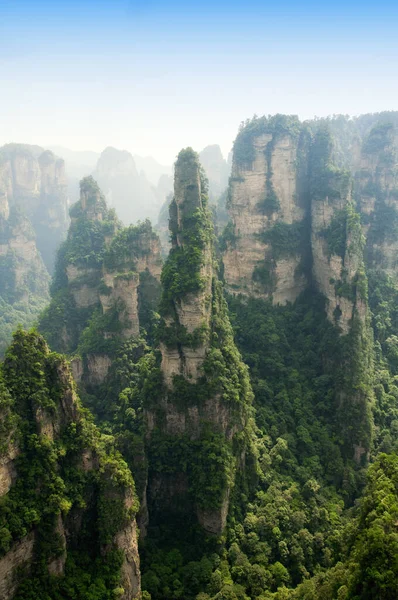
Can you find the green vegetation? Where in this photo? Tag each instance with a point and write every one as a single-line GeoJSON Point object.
{"type": "Point", "coordinates": [264, 274]}
{"type": "Point", "coordinates": [326, 180]}
{"type": "Point", "coordinates": [52, 486]}
{"type": "Point", "coordinates": [228, 237]}
{"type": "Point", "coordinates": [24, 280]}
{"type": "Point", "coordinates": [336, 234]}
{"type": "Point", "coordinates": [182, 271]}
{"type": "Point", "coordinates": [285, 239]}
{"type": "Point", "coordinates": [286, 415]}
{"type": "Point", "coordinates": [127, 245]}
{"type": "Point", "coordinates": [379, 137]}
{"type": "Point", "coordinates": [277, 126]}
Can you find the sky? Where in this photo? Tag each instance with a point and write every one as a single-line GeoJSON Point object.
{"type": "Point", "coordinates": [153, 77]}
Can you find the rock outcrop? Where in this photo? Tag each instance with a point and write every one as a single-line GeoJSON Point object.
{"type": "Point", "coordinates": [295, 225]}
{"type": "Point", "coordinates": [105, 274]}
{"type": "Point", "coordinates": [265, 245]}
{"type": "Point", "coordinates": [33, 180]}
{"type": "Point", "coordinates": [336, 237]}
{"type": "Point", "coordinates": [198, 415]}
{"type": "Point", "coordinates": [376, 191]}
{"type": "Point", "coordinates": [51, 494]}
{"type": "Point", "coordinates": [24, 278]}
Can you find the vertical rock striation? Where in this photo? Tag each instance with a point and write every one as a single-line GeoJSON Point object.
{"type": "Point", "coordinates": [33, 181]}
{"type": "Point", "coordinates": [376, 192]}
{"type": "Point", "coordinates": [336, 237]}
{"type": "Point", "coordinates": [104, 274]}
{"type": "Point", "coordinates": [265, 246]}
{"type": "Point", "coordinates": [294, 225]}
{"type": "Point", "coordinates": [194, 423]}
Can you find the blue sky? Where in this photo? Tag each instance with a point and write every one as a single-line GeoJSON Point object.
{"type": "Point", "coordinates": [153, 77]}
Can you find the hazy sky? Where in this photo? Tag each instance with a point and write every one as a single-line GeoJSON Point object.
{"type": "Point", "coordinates": [152, 77]}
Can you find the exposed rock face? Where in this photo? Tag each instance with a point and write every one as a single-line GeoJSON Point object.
{"type": "Point", "coordinates": [127, 541]}
{"type": "Point", "coordinates": [376, 190]}
{"type": "Point", "coordinates": [23, 271]}
{"type": "Point", "coordinates": [337, 240]}
{"type": "Point", "coordinates": [294, 225]}
{"type": "Point", "coordinates": [194, 410]}
{"type": "Point", "coordinates": [19, 557]}
{"type": "Point", "coordinates": [105, 273]}
{"type": "Point", "coordinates": [266, 195]}
{"type": "Point", "coordinates": [105, 483]}
{"type": "Point", "coordinates": [24, 278]}
{"type": "Point", "coordinates": [97, 368]}
{"type": "Point", "coordinates": [193, 310]}
{"type": "Point", "coordinates": [266, 251]}
{"type": "Point", "coordinates": [7, 468]}
{"type": "Point", "coordinates": [34, 181]}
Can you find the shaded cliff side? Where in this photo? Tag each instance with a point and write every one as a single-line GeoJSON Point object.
{"type": "Point", "coordinates": [197, 423]}
{"type": "Point", "coordinates": [67, 499]}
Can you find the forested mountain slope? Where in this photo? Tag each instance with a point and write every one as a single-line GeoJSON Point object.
{"type": "Point", "coordinates": [67, 498]}
{"type": "Point", "coordinates": [259, 421]}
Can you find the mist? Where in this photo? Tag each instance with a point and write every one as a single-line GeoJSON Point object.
{"type": "Point", "coordinates": [151, 79]}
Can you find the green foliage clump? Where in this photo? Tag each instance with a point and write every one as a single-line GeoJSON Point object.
{"type": "Point", "coordinates": [326, 180]}
{"type": "Point", "coordinates": [181, 273]}
{"type": "Point", "coordinates": [127, 245]}
{"type": "Point", "coordinates": [228, 237]}
{"type": "Point", "coordinates": [207, 462]}
{"type": "Point", "coordinates": [277, 125]}
{"type": "Point", "coordinates": [336, 234]}
{"type": "Point", "coordinates": [52, 485]}
{"type": "Point", "coordinates": [264, 274]}
{"type": "Point", "coordinates": [379, 137]}
{"type": "Point", "coordinates": [285, 239]}
{"type": "Point", "coordinates": [271, 203]}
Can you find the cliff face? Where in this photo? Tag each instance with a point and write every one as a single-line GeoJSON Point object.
{"type": "Point", "coordinates": [268, 207]}
{"type": "Point", "coordinates": [23, 275]}
{"type": "Point", "coordinates": [294, 225]}
{"type": "Point", "coordinates": [376, 192]}
{"type": "Point", "coordinates": [53, 500]}
{"type": "Point", "coordinates": [33, 221]}
{"type": "Point", "coordinates": [34, 181]}
{"type": "Point", "coordinates": [206, 393]}
{"type": "Point", "coordinates": [103, 275]}
{"type": "Point", "coordinates": [336, 237]}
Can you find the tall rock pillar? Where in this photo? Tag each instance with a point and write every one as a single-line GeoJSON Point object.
{"type": "Point", "coordinates": [196, 425]}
